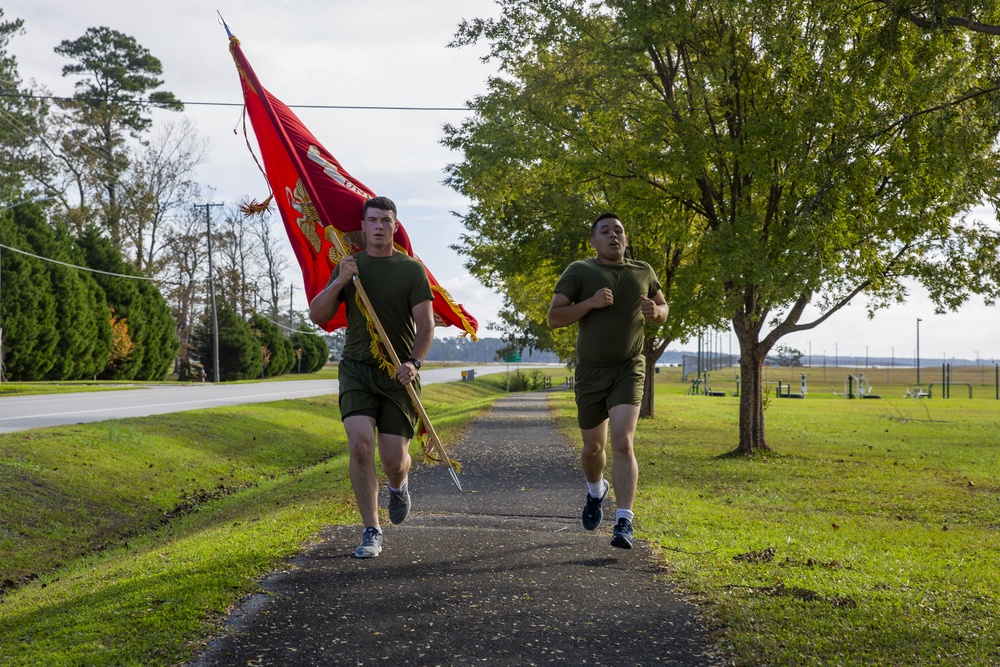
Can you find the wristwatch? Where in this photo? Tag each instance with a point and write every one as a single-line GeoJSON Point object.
{"type": "Point", "coordinates": [416, 362]}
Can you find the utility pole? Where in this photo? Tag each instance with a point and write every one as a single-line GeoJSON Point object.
{"type": "Point", "coordinates": [918, 349]}
{"type": "Point", "coordinates": [211, 292]}
{"type": "Point", "coordinates": [291, 293]}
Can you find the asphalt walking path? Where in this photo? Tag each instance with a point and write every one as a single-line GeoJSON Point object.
{"type": "Point", "coordinates": [502, 574]}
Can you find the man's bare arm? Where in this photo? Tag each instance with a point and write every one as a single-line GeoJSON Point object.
{"type": "Point", "coordinates": [655, 309]}
{"type": "Point", "coordinates": [324, 305]}
{"type": "Point", "coordinates": [563, 312]}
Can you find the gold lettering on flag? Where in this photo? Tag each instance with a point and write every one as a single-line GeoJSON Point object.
{"type": "Point", "coordinates": [330, 169]}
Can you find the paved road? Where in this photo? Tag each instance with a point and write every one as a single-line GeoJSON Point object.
{"type": "Point", "coordinates": [18, 413]}
{"type": "Point", "coordinates": [502, 574]}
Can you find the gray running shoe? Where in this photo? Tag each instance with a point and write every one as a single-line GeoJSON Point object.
{"type": "Point", "coordinates": [592, 513]}
{"type": "Point", "coordinates": [371, 544]}
{"type": "Point", "coordinates": [399, 504]}
{"type": "Point", "coordinates": [622, 537]}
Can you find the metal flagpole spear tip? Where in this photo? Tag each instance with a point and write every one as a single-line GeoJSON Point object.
{"type": "Point", "coordinates": [223, 23]}
{"type": "Point", "coordinates": [454, 478]}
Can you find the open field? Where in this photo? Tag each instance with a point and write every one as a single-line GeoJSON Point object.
{"type": "Point", "coordinates": [868, 537]}
{"type": "Point", "coordinates": [887, 382]}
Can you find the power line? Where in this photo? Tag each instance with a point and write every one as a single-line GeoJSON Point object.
{"type": "Point", "coordinates": [233, 104]}
{"type": "Point", "coordinates": [87, 268]}
{"type": "Point", "coordinates": [282, 326]}
{"type": "Point", "coordinates": [123, 275]}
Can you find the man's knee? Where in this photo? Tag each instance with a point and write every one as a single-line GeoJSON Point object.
{"type": "Point", "coordinates": [394, 452]}
{"type": "Point", "coordinates": [623, 445]}
{"type": "Point", "coordinates": [362, 450]}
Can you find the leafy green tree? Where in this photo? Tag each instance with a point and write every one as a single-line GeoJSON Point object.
{"type": "Point", "coordinates": [112, 101]}
{"type": "Point", "coordinates": [311, 351]}
{"type": "Point", "coordinates": [139, 302]}
{"type": "Point", "coordinates": [84, 329]}
{"type": "Point", "coordinates": [20, 120]}
{"type": "Point", "coordinates": [789, 154]}
{"type": "Point", "coordinates": [28, 313]}
{"type": "Point", "coordinates": [547, 151]}
{"type": "Point", "coordinates": [239, 348]}
{"type": "Point", "coordinates": [277, 349]}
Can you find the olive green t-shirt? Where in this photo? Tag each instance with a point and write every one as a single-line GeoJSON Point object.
{"type": "Point", "coordinates": [394, 285]}
{"type": "Point", "coordinates": [610, 335]}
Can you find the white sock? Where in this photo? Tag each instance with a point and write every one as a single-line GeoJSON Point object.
{"type": "Point", "coordinates": [624, 514]}
{"type": "Point", "coordinates": [596, 489]}
{"type": "Point", "coordinates": [401, 486]}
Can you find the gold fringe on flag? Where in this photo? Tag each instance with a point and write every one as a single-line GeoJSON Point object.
{"type": "Point", "coordinates": [251, 207]}
{"type": "Point", "coordinates": [469, 329]}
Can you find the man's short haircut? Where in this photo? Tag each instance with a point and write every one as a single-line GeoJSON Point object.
{"type": "Point", "coordinates": [602, 216]}
{"type": "Point", "coordinates": [383, 203]}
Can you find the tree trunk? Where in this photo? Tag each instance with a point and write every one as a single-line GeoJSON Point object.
{"type": "Point", "coordinates": [651, 351]}
{"type": "Point", "coordinates": [752, 437]}
{"type": "Point", "coordinates": [646, 408]}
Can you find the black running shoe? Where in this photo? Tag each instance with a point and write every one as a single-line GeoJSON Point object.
{"type": "Point", "coordinates": [592, 513]}
{"type": "Point", "coordinates": [399, 504]}
{"type": "Point", "coordinates": [623, 534]}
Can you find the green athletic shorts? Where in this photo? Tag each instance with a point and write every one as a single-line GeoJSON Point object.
{"type": "Point", "coordinates": [366, 389]}
{"type": "Point", "coordinates": [598, 388]}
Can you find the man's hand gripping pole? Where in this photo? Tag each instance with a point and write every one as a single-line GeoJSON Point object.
{"type": "Point", "coordinates": [414, 398]}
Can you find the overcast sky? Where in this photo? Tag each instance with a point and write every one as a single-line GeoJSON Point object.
{"type": "Point", "coordinates": [391, 53]}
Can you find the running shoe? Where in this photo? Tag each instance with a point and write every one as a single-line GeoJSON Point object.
{"type": "Point", "coordinates": [399, 504]}
{"type": "Point", "coordinates": [371, 544]}
{"type": "Point", "coordinates": [592, 513]}
{"type": "Point", "coordinates": [622, 537]}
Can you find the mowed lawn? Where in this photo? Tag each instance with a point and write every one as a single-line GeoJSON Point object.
{"type": "Point", "coordinates": [869, 536]}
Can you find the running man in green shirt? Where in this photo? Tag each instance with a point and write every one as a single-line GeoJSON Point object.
{"type": "Point", "coordinates": [374, 405]}
{"type": "Point", "coordinates": [610, 296]}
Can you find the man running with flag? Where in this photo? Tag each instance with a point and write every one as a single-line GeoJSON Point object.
{"type": "Point", "coordinates": [374, 405]}
{"type": "Point", "coordinates": [321, 206]}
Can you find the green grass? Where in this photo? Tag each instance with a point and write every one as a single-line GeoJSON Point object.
{"type": "Point", "coordinates": [35, 388]}
{"type": "Point", "coordinates": [125, 543]}
{"type": "Point", "coordinates": [868, 537]}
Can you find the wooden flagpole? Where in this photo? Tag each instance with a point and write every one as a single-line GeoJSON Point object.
{"type": "Point", "coordinates": [414, 397]}
{"type": "Point", "coordinates": [277, 126]}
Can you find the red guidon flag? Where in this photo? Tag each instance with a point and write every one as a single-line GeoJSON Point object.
{"type": "Point", "coordinates": [318, 198]}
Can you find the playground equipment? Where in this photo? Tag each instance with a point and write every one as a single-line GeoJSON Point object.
{"type": "Point", "coordinates": [701, 385]}
{"type": "Point", "coordinates": [857, 387]}
{"type": "Point", "coordinates": [785, 390]}
{"type": "Point", "coordinates": [945, 385]}
{"type": "Point", "coordinates": [708, 389]}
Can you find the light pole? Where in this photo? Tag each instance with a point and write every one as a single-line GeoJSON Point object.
{"type": "Point", "coordinates": [918, 349]}
{"type": "Point", "coordinates": [211, 292]}
{"type": "Point", "coordinates": [36, 200]}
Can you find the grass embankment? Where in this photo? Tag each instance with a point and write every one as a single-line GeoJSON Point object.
{"type": "Point", "coordinates": [123, 543]}
{"type": "Point", "coordinates": [868, 537]}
